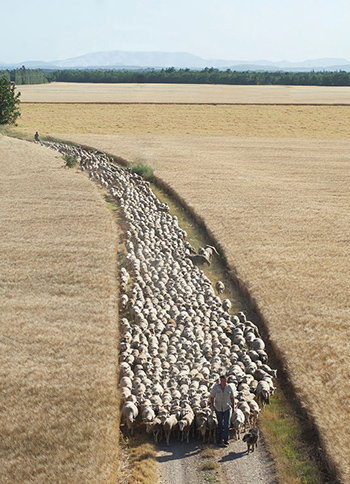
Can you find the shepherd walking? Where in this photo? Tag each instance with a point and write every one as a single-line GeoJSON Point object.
{"type": "Point", "coordinates": [222, 400]}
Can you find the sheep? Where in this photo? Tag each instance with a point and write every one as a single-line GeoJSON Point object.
{"type": "Point", "coordinates": [124, 327]}
{"type": "Point", "coordinates": [254, 412]}
{"type": "Point", "coordinates": [201, 419]}
{"type": "Point", "coordinates": [124, 301]}
{"type": "Point", "coordinates": [126, 382]}
{"type": "Point", "coordinates": [226, 305]}
{"type": "Point", "coordinates": [242, 317]}
{"type": "Point", "coordinates": [260, 374]}
{"type": "Point", "coordinates": [220, 287]}
{"type": "Point", "coordinates": [185, 424]}
{"type": "Point", "coordinates": [169, 424]}
{"type": "Point", "coordinates": [250, 337]}
{"type": "Point", "coordinates": [155, 428]}
{"type": "Point", "coordinates": [263, 393]}
{"type": "Point", "coordinates": [245, 409]}
{"type": "Point", "coordinates": [125, 370]}
{"type": "Point", "coordinates": [128, 416]}
{"type": "Point", "coordinates": [237, 421]}
{"type": "Point", "coordinates": [125, 394]}
{"type": "Point", "coordinates": [212, 423]}
{"type": "Point", "coordinates": [147, 414]}
{"type": "Point", "coordinates": [180, 336]}
{"type": "Point", "coordinates": [208, 251]}
{"type": "Point", "coordinates": [269, 370]}
{"type": "Point", "coordinates": [258, 344]}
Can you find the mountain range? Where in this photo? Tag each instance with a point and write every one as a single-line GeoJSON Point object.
{"type": "Point", "coordinates": [157, 60]}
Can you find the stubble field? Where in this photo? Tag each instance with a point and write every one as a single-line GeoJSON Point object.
{"type": "Point", "coordinates": [272, 184]}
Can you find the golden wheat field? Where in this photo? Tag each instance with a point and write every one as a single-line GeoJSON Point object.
{"type": "Point", "coordinates": [59, 338]}
{"type": "Point", "coordinates": [272, 184]}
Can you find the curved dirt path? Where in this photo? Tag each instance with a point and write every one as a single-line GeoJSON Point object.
{"type": "Point", "coordinates": [182, 463]}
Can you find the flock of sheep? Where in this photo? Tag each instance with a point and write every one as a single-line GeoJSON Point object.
{"type": "Point", "coordinates": [177, 335]}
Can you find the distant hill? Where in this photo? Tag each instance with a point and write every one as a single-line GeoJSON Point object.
{"type": "Point", "coordinates": [157, 60]}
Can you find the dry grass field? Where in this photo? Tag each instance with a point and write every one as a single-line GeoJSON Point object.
{"type": "Point", "coordinates": [58, 322]}
{"type": "Point", "coordinates": [274, 190]}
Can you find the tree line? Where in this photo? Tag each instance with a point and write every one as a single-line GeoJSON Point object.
{"type": "Point", "coordinates": [204, 76]}
{"type": "Point", "coordinates": [179, 76]}
{"type": "Point", "coordinates": [25, 76]}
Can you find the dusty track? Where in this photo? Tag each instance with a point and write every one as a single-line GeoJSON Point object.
{"type": "Point", "coordinates": [183, 464]}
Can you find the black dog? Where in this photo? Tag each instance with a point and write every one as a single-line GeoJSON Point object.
{"type": "Point", "coordinates": [251, 439]}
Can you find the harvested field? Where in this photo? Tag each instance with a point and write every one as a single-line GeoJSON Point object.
{"type": "Point", "coordinates": [274, 191]}
{"type": "Point", "coordinates": [59, 338]}
{"type": "Point", "coordinates": [69, 92]}
{"type": "Point", "coordinates": [279, 209]}
{"type": "Point", "coordinates": [188, 120]}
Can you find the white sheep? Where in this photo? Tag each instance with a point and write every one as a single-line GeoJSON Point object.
{"type": "Point", "coordinates": [128, 416]}
{"type": "Point", "coordinates": [220, 287]}
{"type": "Point", "coordinates": [237, 421]}
{"type": "Point", "coordinates": [185, 424]}
{"type": "Point", "coordinates": [169, 424]}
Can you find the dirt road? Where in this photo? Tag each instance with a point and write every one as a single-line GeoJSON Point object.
{"type": "Point", "coordinates": [194, 463]}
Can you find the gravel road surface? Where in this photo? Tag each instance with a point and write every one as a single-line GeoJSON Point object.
{"type": "Point", "coordinates": [182, 463]}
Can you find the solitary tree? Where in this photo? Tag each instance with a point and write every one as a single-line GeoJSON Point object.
{"type": "Point", "coordinates": [9, 102]}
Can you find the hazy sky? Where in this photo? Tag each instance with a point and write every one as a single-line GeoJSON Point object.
{"type": "Point", "coordinates": [275, 30]}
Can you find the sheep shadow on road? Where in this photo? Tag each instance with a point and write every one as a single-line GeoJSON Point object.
{"type": "Point", "coordinates": [232, 456]}
{"type": "Point", "coordinates": [177, 450]}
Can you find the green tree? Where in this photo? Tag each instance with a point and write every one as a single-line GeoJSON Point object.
{"type": "Point", "coordinates": [9, 102]}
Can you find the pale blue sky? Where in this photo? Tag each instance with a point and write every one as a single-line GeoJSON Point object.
{"type": "Point", "coordinates": [275, 30]}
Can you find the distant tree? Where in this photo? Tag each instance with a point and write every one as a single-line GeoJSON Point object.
{"type": "Point", "coordinates": [9, 102]}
